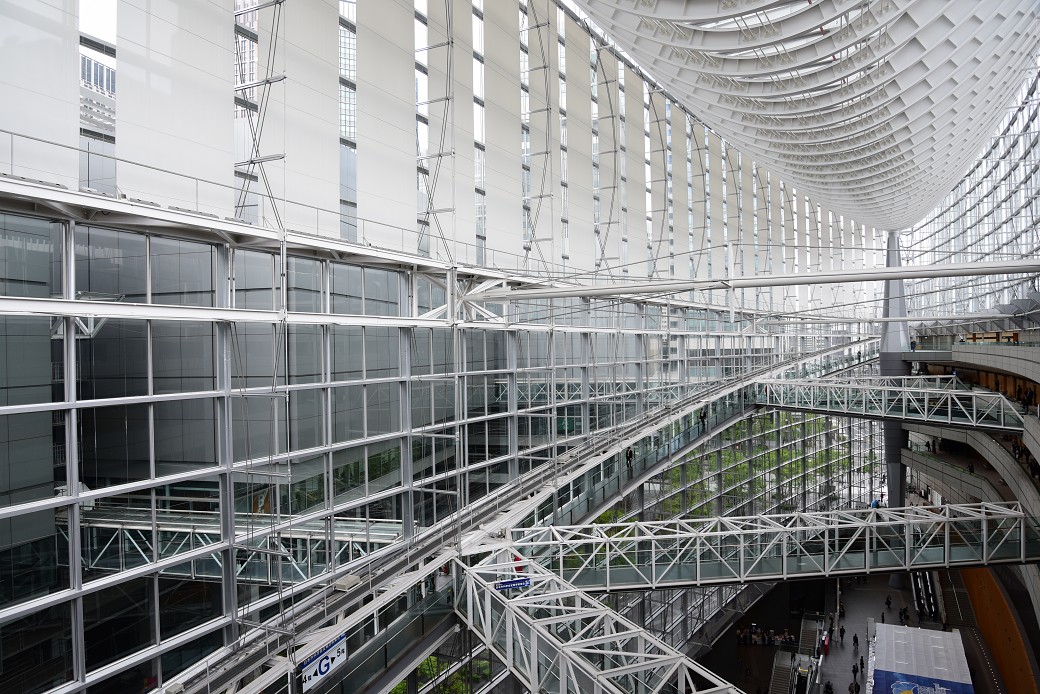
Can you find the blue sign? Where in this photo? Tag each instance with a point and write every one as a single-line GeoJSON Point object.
{"type": "Point", "coordinates": [515, 583]}
{"type": "Point", "coordinates": [886, 682]}
{"type": "Point", "coordinates": [323, 662]}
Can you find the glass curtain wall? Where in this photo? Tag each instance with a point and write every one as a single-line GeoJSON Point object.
{"type": "Point", "coordinates": [135, 443]}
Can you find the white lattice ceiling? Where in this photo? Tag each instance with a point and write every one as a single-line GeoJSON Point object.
{"type": "Point", "coordinates": [875, 109]}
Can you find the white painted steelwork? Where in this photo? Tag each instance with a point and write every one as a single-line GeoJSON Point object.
{"type": "Point", "coordinates": [875, 109]}
{"type": "Point", "coordinates": [554, 637]}
{"type": "Point", "coordinates": [937, 399]}
{"type": "Point", "coordinates": [681, 553]}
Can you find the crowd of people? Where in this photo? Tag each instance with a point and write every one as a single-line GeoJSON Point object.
{"type": "Point", "coordinates": [756, 636]}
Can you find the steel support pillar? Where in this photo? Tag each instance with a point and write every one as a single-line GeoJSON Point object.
{"type": "Point", "coordinates": [895, 339]}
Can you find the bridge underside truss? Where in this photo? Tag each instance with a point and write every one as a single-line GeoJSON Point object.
{"type": "Point", "coordinates": [684, 553]}
{"type": "Point", "coordinates": [117, 539]}
{"type": "Point", "coordinates": [556, 638]}
{"type": "Point", "coordinates": [938, 400]}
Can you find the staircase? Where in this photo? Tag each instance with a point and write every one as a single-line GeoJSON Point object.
{"type": "Point", "coordinates": [809, 637]}
{"type": "Point", "coordinates": [782, 675]}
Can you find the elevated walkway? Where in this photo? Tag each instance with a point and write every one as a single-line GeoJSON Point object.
{"type": "Point", "coordinates": [926, 399]}
{"type": "Point", "coordinates": [928, 355]}
{"type": "Point", "coordinates": [116, 538]}
{"type": "Point", "coordinates": [685, 553]}
{"type": "Point", "coordinates": [554, 637]}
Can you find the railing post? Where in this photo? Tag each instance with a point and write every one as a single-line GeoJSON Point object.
{"type": "Point", "coordinates": [697, 557]}
{"type": "Point", "coordinates": [1022, 537]}
{"type": "Point", "coordinates": [985, 537]}
{"type": "Point", "coordinates": [946, 539]}
{"type": "Point", "coordinates": [908, 535]}
{"type": "Point", "coordinates": [826, 552]}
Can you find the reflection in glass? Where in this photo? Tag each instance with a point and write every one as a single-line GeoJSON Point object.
{"type": "Point", "coordinates": [36, 651]}
{"type": "Point", "coordinates": [185, 435]}
{"type": "Point", "coordinates": [182, 272]}
{"type": "Point", "coordinates": [113, 360]}
{"type": "Point", "coordinates": [117, 621]}
{"type": "Point", "coordinates": [182, 356]}
{"type": "Point", "coordinates": [30, 257]}
{"type": "Point", "coordinates": [111, 265]}
{"type": "Point", "coordinates": [113, 445]}
{"type": "Point", "coordinates": [258, 426]}
{"type": "Point", "coordinates": [256, 284]}
{"type": "Point", "coordinates": [256, 357]}
{"type": "Point", "coordinates": [304, 285]}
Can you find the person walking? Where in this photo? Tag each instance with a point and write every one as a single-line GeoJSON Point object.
{"type": "Point", "coordinates": [855, 640]}
{"type": "Point", "coordinates": [855, 671]}
{"type": "Point", "coordinates": [888, 602]}
{"type": "Point", "coordinates": [882, 617]}
{"type": "Point", "coordinates": [862, 667]}
{"type": "Point", "coordinates": [841, 634]}
{"type": "Point", "coordinates": [628, 461]}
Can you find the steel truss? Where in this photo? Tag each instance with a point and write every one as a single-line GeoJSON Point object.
{"type": "Point", "coordinates": [683, 553]}
{"type": "Point", "coordinates": [116, 539]}
{"type": "Point", "coordinates": [555, 638]}
{"type": "Point", "coordinates": [936, 399]}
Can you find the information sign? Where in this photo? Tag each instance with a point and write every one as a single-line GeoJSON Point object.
{"type": "Point", "coordinates": [515, 583]}
{"type": "Point", "coordinates": [316, 667]}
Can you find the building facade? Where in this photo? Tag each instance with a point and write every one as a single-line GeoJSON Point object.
{"type": "Point", "coordinates": [239, 363]}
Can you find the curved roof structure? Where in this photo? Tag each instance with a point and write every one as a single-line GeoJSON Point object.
{"type": "Point", "coordinates": [874, 108]}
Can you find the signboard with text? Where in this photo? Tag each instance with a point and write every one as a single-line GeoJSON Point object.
{"type": "Point", "coordinates": [316, 667]}
{"type": "Point", "coordinates": [515, 583]}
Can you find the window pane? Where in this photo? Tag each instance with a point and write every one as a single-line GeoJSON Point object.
{"type": "Point", "coordinates": [381, 352]}
{"type": "Point", "coordinates": [305, 350]}
{"type": "Point", "coordinates": [384, 467]}
{"type": "Point", "coordinates": [117, 621]}
{"type": "Point", "coordinates": [30, 257]}
{"type": "Point", "coordinates": [306, 418]}
{"type": "Point", "coordinates": [381, 292]}
{"type": "Point", "coordinates": [256, 285]}
{"type": "Point", "coordinates": [347, 352]}
{"type": "Point", "coordinates": [41, 662]}
{"type": "Point", "coordinates": [185, 435]}
{"type": "Point", "coordinates": [182, 356]}
{"type": "Point", "coordinates": [184, 604]}
{"type": "Point", "coordinates": [31, 362]}
{"type": "Point", "coordinates": [348, 418]}
{"type": "Point", "coordinates": [346, 289]}
{"type": "Point", "coordinates": [182, 272]}
{"type": "Point", "coordinates": [110, 265]}
{"type": "Point", "coordinates": [383, 408]}
{"type": "Point", "coordinates": [258, 426]}
{"type": "Point", "coordinates": [348, 474]}
{"type": "Point", "coordinates": [304, 285]}
{"type": "Point", "coordinates": [113, 445]}
{"type": "Point", "coordinates": [256, 361]}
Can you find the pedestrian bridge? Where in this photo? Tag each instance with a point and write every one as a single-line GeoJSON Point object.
{"type": "Point", "coordinates": [685, 553]}
{"type": "Point", "coordinates": [926, 399]}
{"type": "Point", "coordinates": [118, 538]}
{"type": "Point", "coordinates": [554, 637]}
